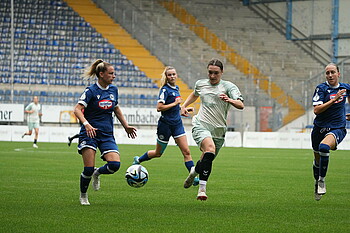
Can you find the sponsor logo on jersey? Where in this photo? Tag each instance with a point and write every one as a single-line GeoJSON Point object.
{"type": "Point", "coordinates": [105, 104]}
{"type": "Point", "coordinates": [339, 100]}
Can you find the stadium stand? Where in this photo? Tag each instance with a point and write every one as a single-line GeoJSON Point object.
{"type": "Point", "coordinates": [53, 44]}
{"type": "Point", "coordinates": [122, 40]}
{"type": "Point", "coordinates": [261, 48]}
{"type": "Point", "coordinates": [276, 65]}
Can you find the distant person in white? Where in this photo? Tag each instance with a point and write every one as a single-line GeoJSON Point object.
{"type": "Point", "coordinates": [33, 111]}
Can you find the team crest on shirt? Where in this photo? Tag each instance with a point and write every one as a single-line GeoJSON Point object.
{"type": "Point", "coordinates": [105, 104]}
{"type": "Point", "coordinates": [111, 96]}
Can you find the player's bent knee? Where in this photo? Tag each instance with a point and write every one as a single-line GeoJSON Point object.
{"type": "Point", "coordinates": [88, 171]}
{"type": "Point", "coordinates": [208, 156]}
{"type": "Point", "coordinates": [113, 166]}
{"type": "Point", "coordinates": [324, 149]}
{"type": "Point", "coordinates": [157, 155]}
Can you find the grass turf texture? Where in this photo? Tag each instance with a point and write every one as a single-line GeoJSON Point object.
{"type": "Point", "coordinates": [250, 190]}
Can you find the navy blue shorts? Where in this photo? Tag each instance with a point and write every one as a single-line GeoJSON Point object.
{"type": "Point", "coordinates": [318, 134]}
{"type": "Point", "coordinates": [165, 131]}
{"type": "Point", "coordinates": [105, 142]}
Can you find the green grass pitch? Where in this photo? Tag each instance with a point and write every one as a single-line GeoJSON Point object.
{"type": "Point", "coordinates": [250, 190]}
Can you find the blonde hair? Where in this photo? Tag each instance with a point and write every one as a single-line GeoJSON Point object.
{"type": "Point", "coordinates": [94, 70]}
{"type": "Point", "coordinates": [163, 79]}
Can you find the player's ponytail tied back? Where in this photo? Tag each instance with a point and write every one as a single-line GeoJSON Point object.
{"type": "Point", "coordinates": [97, 66]}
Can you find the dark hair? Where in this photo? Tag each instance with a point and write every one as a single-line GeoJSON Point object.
{"type": "Point", "coordinates": [216, 62]}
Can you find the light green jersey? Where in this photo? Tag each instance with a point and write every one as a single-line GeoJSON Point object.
{"type": "Point", "coordinates": [213, 110]}
{"type": "Point", "coordinates": [33, 117]}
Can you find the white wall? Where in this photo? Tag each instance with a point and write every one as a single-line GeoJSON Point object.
{"type": "Point", "coordinates": [148, 137]}
{"type": "Point", "coordinates": [60, 134]}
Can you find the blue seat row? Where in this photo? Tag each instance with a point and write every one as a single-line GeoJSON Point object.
{"type": "Point", "coordinates": [54, 44]}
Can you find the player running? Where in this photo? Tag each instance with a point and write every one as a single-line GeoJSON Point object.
{"type": "Point", "coordinates": [99, 102]}
{"type": "Point", "coordinates": [209, 125]}
{"type": "Point", "coordinates": [329, 124]}
{"type": "Point", "coordinates": [170, 123]}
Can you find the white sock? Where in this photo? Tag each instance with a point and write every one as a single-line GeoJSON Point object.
{"type": "Point", "coordinates": [202, 185]}
{"type": "Point", "coordinates": [193, 171]}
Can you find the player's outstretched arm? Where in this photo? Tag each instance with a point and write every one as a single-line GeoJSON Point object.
{"type": "Point", "coordinates": [190, 99]}
{"type": "Point", "coordinates": [130, 130]}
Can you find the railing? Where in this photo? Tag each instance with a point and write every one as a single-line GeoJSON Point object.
{"type": "Point", "coordinates": [310, 84]}
{"type": "Point", "coordinates": [143, 28]}
{"type": "Point", "coordinates": [304, 42]}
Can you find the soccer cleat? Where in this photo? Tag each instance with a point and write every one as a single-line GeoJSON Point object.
{"type": "Point", "coordinates": [190, 178]}
{"type": "Point", "coordinates": [321, 187]}
{"type": "Point", "coordinates": [136, 160]}
{"type": "Point", "coordinates": [23, 135]}
{"type": "Point", "coordinates": [35, 146]}
{"type": "Point", "coordinates": [96, 180]}
{"type": "Point", "coordinates": [196, 181]}
{"type": "Point", "coordinates": [69, 141]}
{"type": "Point", "coordinates": [202, 195]}
{"type": "Point", "coordinates": [84, 199]}
{"type": "Point", "coordinates": [317, 196]}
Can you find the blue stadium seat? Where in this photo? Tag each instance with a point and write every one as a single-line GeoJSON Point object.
{"type": "Point", "coordinates": [41, 43]}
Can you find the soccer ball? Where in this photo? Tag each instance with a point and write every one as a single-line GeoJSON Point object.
{"type": "Point", "coordinates": [136, 176]}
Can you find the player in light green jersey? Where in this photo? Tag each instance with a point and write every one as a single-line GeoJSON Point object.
{"type": "Point", "coordinates": [209, 125]}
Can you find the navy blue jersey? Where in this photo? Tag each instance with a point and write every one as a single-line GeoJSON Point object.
{"type": "Point", "coordinates": [167, 95]}
{"type": "Point", "coordinates": [99, 105]}
{"type": "Point", "coordinates": [334, 116]}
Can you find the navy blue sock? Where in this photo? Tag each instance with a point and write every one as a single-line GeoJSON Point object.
{"type": "Point", "coordinates": [324, 159]}
{"type": "Point", "coordinates": [109, 168]}
{"type": "Point", "coordinates": [85, 178]}
{"type": "Point", "coordinates": [144, 157]}
{"type": "Point", "coordinates": [189, 164]}
{"type": "Point", "coordinates": [316, 170]}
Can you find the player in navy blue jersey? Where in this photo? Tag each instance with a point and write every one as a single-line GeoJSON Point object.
{"type": "Point", "coordinates": [170, 123]}
{"type": "Point", "coordinates": [329, 125]}
{"type": "Point", "coordinates": [99, 101]}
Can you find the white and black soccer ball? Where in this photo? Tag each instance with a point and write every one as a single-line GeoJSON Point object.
{"type": "Point", "coordinates": [136, 176]}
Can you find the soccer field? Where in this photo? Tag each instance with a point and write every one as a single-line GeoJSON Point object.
{"type": "Point", "coordinates": [250, 190]}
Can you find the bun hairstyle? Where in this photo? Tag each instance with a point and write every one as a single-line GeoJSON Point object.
{"type": "Point", "coordinates": [163, 79]}
{"type": "Point", "coordinates": [216, 62]}
{"type": "Point", "coordinates": [98, 66]}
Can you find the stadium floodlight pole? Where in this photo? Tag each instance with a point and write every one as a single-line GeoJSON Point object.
{"type": "Point", "coordinates": [12, 52]}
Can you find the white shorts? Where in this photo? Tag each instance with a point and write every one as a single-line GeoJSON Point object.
{"type": "Point", "coordinates": [33, 125]}
{"type": "Point", "coordinates": [202, 130]}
